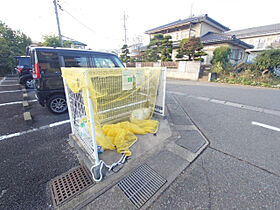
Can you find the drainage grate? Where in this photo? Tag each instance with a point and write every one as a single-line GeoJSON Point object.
{"type": "Point", "coordinates": [70, 184]}
{"type": "Point", "coordinates": [141, 185]}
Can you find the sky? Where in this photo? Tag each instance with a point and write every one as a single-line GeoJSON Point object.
{"type": "Point", "coordinates": [101, 23]}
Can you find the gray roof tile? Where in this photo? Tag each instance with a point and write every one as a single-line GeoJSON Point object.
{"type": "Point", "coordinates": [187, 20]}
{"type": "Point", "coordinates": [256, 31]}
{"type": "Point", "coordinates": [213, 38]}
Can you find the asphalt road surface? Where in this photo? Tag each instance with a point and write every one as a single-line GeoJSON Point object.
{"type": "Point", "coordinates": [240, 169]}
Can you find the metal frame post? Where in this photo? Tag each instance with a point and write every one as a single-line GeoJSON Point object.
{"type": "Point", "coordinates": [92, 123]}
{"type": "Point", "coordinates": [68, 105]}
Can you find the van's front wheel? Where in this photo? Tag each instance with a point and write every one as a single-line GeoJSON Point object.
{"type": "Point", "coordinates": [57, 104]}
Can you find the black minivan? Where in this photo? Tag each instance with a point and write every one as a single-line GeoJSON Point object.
{"type": "Point", "coordinates": [46, 63]}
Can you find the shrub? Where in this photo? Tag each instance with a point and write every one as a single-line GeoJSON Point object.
{"type": "Point", "coordinates": [220, 61]}
{"type": "Point", "coordinates": [268, 60]}
{"type": "Point", "coordinates": [221, 54]}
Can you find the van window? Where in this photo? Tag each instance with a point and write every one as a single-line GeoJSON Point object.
{"type": "Point", "coordinates": [48, 62]}
{"type": "Point", "coordinates": [23, 62]}
{"type": "Point", "coordinates": [75, 61]}
{"type": "Point", "coordinates": [118, 62]}
{"type": "Point", "coordinates": [103, 62]}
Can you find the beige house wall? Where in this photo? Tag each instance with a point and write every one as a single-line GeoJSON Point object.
{"type": "Point", "coordinates": [263, 42]}
{"type": "Point", "coordinates": [210, 49]}
{"type": "Point", "coordinates": [205, 28]}
{"type": "Point", "coordinates": [182, 34]}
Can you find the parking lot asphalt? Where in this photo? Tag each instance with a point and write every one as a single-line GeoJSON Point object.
{"type": "Point", "coordinates": [32, 157]}
{"type": "Point", "coordinates": [9, 87]}
{"type": "Point", "coordinates": [10, 97]}
{"type": "Point", "coordinates": [12, 119]}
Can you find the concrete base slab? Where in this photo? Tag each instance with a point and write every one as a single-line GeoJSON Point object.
{"type": "Point", "coordinates": [191, 140]}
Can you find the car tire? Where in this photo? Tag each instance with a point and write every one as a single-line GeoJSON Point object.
{"type": "Point", "coordinates": [29, 83]}
{"type": "Point", "coordinates": [57, 104]}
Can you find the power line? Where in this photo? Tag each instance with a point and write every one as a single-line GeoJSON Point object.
{"type": "Point", "coordinates": [90, 29]}
{"type": "Point", "coordinates": [59, 6]}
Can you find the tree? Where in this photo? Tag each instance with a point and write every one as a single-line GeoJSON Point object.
{"type": "Point", "coordinates": [53, 41]}
{"type": "Point", "coordinates": [12, 43]}
{"type": "Point", "coordinates": [159, 48]}
{"type": "Point", "coordinates": [125, 58]}
{"type": "Point", "coordinates": [190, 49]}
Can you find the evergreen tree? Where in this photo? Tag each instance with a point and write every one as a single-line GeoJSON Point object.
{"type": "Point", "coordinates": [12, 43]}
{"type": "Point", "coordinates": [159, 48]}
{"type": "Point", "coordinates": [125, 58]}
{"type": "Point", "coordinates": [191, 49]}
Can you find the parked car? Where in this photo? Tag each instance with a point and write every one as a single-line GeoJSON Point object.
{"type": "Point", "coordinates": [48, 82]}
{"type": "Point", "coordinates": [23, 68]}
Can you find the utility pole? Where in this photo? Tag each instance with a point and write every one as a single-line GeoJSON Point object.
{"type": "Point", "coordinates": [57, 20]}
{"type": "Point", "coordinates": [124, 26]}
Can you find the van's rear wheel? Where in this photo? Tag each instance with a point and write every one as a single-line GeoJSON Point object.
{"type": "Point", "coordinates": [57, 104]}
{"type": "Point", "coordinates": [29, 83]}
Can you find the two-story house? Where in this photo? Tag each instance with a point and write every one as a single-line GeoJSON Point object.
{"type": "Point", "coordinates": [210, 31]}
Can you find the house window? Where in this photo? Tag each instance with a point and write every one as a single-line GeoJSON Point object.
{"type": "Point", "coordinates": [236, 54]}
{"type": "Point", "coordinates": [261, 44]}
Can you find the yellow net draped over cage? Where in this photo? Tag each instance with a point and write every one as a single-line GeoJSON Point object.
{"type": "Point", "coordinates": [123, 103]}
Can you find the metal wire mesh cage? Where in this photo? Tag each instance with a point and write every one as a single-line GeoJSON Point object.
{"type": "Point", "coordinates": [97, 97]}
{"type": "Point", "coordinates": [78, 118]}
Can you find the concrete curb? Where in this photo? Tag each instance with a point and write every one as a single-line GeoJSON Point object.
{"type": "Point", "coordinates": [25, 96]}
{"type": "Point", "coordinates": [27, 117]}
{"type": "Point", "coordinates": [25, 105]}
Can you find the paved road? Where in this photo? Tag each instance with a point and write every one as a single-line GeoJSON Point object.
{"type": "Point", "coordinates": [240, 169]}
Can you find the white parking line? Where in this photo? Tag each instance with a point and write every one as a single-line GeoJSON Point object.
{"type": "Point", "coordinates": [266, 126]}
{"type": "Point", "coordinates": [8, 85]}
{"type": "Point", "coordinates": [16, 102]}
{"type": "Point", "coordinates": [2, 80]}
{"type": "Point", "coordinates": [33, 130]}
{"type": "Point", "coordinates": [10, 91]}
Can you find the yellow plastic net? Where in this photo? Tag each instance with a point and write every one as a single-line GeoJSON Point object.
{"type": "Point", "coordinates": [123, 103]}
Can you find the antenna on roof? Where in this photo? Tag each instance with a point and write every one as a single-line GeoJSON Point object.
{"type": "Point", "coordinates": [124, 26]}
{"type": "Point", "coordinates": [191, 11]}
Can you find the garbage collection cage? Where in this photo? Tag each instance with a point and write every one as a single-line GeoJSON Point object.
{"type": "Point", "coordinates": [99, 96]}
